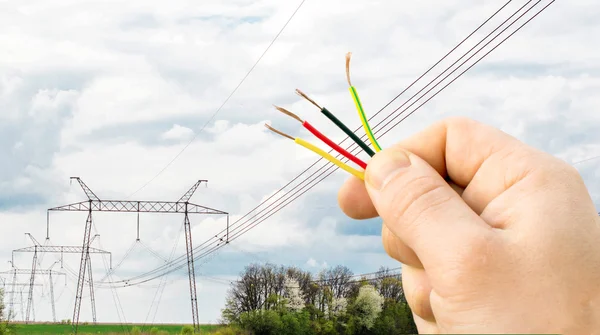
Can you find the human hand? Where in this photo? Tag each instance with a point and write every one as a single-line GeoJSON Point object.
{"type": "Point", "coordinates": [494, 236]}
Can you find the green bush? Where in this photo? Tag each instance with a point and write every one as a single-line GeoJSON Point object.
{"type": "Point", "coordinates": [230, 330]}
{"type": "Point", "coordinates": [154, 331]}
{"type": "Point", "coordinates": [136, 331]}
{"type": "Point", "coordinates": [5, 328]}
{"type": "Point", "coordinates": [396, 318]}
{"type": "Point", "coordinates": [187, 330]}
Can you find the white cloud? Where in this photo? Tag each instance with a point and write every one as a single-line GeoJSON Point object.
{"type": "Point", "coordinates": [178, 133]}
{"type": "Point", "coordinates": [93, 89]}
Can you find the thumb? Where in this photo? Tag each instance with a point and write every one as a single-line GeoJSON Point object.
{"type": "Point", "coordinates": [421, 208]}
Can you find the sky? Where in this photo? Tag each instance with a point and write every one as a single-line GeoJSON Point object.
{"type": "Point", "coordinates": [112, 91]}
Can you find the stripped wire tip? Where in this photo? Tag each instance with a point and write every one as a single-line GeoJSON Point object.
{"type": "Point", "coordinates": [348, 56]}
{"type": "Point", "coordinates": [288, 113]}
{"type": "Point", "coordinates": [279, 132]}
{"type": "Point", "coordinates": [302, 94]}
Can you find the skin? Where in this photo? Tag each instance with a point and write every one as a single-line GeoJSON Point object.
{"type": "Point", "coordinates": [494, 236]}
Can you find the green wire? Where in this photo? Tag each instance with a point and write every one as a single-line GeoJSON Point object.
{"type": "Point", "coordinates": [364, 118]}
{"type": "Point", "coordinates": [348, 132]}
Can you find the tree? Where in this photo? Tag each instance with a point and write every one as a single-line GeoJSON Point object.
{"type": "Point", "coordinates": [270, 299]}
{"type": "Point", "coordinates": [366, 307]}
{"type": "Point", "coordinates": [292, 295]}
{"type": "Point", "coordinates": [338, 280]}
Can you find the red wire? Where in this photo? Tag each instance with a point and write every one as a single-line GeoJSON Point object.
{"type": "Point", "coordinates": [333, 145]}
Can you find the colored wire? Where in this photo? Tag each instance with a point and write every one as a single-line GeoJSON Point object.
{"type": "Point", "coordinates": [334, 145]}
{"type": "Point", "coordinates": [320, 152]}
{"type": "Point", "coordinates": [339, 124]}
{"type": "Point", "coordinates": [359, 108]}
{"type": "Point", "coordinates": [324, 138]}
{"type": "Point", "coordinates": [329, 157]}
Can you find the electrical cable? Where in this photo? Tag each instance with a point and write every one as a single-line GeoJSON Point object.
{"type": "Point", "coordinates": [164, 279]}
{"type": "Point", "coordinates": [359, 107]}
{"type": "Point", "coordinates": [318, 151]}
{"type": "Point", "coordinates": [114, 293]}
{"type": "Point", "coordinates": [323, 138]}
{"type": "Point", "coordinates": [586, 160]}
{"type": "Point", "coordinates": [224, 102]}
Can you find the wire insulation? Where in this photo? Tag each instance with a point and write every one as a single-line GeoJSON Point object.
{"type": "Point", "coordinates": [334, 145]}
{"type": "Point", "coordinates": [363, 119]}
{"type": "Point", "coordinates": [358, 174]}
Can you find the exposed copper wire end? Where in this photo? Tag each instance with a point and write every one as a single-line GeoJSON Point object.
{"type": "Point", "coordinates": [348, 56]}
{"type": "Point", "coordinates": [302, 94]}
{"type": "Point", "coordinates": [279, 132]}
{"type": "Point", "coordinates": [288, 113]}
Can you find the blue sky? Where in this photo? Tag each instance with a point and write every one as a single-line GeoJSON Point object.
{"type": "Point", "coordinates": [112, 91]}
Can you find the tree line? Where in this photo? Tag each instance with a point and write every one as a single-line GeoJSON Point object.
{"type": "Point", "coordinates": [272, 299]}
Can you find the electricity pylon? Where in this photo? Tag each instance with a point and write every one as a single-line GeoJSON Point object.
{"type": "Point", "coordinates": [95, 204]}
{"type": "Point", "coordinates": [38, 248]}
{"type": "Point", "coordinates": [31, 285]}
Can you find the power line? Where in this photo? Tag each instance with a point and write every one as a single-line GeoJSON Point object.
{"type": "Point", "coordinates": [332, 168]}
{"type": "Point", "coordinates": [168, 268]}
{"type": "Point", "coordinates": [586, 160]}
{"type": "Point", "coordinates": [224, 102]}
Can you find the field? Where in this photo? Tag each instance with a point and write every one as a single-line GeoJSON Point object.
{"type": "Point", "coordinates": [50, 328]}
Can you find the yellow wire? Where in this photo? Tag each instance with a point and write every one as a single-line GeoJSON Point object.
{"type": "Point", "coordinates": [318, 151]}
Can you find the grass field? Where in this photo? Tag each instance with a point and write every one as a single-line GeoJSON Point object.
{"type": "Point", "coordinates": [47, 329]}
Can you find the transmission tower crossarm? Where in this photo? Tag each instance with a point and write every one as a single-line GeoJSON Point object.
{"type": "Point", "coordinates": [67, 249]}
{"type": "Point", "coordinates": [188, 195]}
{"type": "Point", "coordinates": [35, 242]}
{"type": "Point", "coordinates": [37, 272]}
{"type": "Point", "coordinates": [88, 192]}
{"type": "Point", "coordinates": [26, 284]}
{"type": "Point", "coordinates": [127, 206]}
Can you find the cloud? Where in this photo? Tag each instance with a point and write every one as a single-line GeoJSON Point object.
{"type": "Point", "coordinates": [114, 92]}
{"type": "Point", "coordinates": [178, 133]}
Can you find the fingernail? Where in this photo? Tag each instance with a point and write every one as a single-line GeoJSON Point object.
{"type": "Point", "coordinates": [382, 169]}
